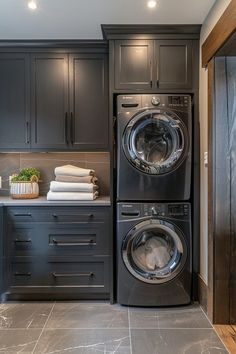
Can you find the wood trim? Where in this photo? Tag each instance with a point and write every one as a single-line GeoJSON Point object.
{"type": "Point", "coordinates": [223, 29]}
{"type": "Point", "coordinates": [210, 190]}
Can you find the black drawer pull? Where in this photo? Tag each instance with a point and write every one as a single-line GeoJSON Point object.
{"type": "Point", "coordinates": [62, 275]}
{"type": "Point", "coordinates": [17, 274]}
{"type": "Point", "coordinates": [22, 214]}
{"type": "Point", "coordinates": [17, 240]}
{"type": "Point", "coordinates": [72, 243]}
{"type": "Point", "coordinates": [76, 215]}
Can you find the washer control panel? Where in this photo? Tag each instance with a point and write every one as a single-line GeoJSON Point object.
{"type": "Point", "coordinates": [139, 210]}
{"type": "Point", "coordinates": [166, 210]}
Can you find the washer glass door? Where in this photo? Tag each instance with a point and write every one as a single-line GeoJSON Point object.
{"type": "Point", "coordinates": [154, 251]}
{"type": "Point", "coordinates": [155, 142]}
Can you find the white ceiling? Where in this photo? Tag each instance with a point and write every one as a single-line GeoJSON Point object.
{"type": "Point", "coordinates": [81, 19]}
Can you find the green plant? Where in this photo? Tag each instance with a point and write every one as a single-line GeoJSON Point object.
{"type": "Point", "coordinates": [26, 174]}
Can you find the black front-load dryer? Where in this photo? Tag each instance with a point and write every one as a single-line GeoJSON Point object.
{"type": "Point", "coordinates": [153, 147]}
{"type": "Point", "coordinates": [154, 254]}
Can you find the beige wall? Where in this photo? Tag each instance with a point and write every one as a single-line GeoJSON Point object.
{"type": "Point", "coordinates": [210, 21]}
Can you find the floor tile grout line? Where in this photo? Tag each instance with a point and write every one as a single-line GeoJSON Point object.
{"type": "Point", "coordinates": [214, 328]}
{"type": "Point", "coordinates": [205, 315]}
{"type": "Point", "coordinates": [44, 327]}
{"type": "Point", "coordinates": [117, 328]}
{"type": "Point", "coordinates": [221, 340]}
{"type": "Point", "coordinates": [130, 340]}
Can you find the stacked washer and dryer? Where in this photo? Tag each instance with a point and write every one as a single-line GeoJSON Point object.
{"type": "Point", "coordinates": [154, 242]}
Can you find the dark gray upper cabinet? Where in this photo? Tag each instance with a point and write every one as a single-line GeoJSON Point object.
{"type": "Point", "coordinates": [49, 101]}
{"type": "Point", "coordinates": [173, 64]}
{"type": "Point", "coordinates": [153, 64]}
{"type": "Point", "coordinates": [133, 64]}
{"type": "Point", "coordinates": [88, 101]}
{"type": "Point", "coordinates": [14, 101]}
{"type": "Point", "coordinates": [54, 99]}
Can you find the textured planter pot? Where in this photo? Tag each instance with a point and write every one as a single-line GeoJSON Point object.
{"type": "Point", "coordinates": [24, 190]}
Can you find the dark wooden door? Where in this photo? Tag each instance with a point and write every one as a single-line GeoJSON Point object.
{"type": "Point", "coordinates": [133, 64]}
{"type": "Point", "coordinates": [173, 64]}
{"type": "Point", "coordinates": [88, 102]}
{"type": "Point", "coordinates": [231, 158]}
{"type": "Point", "coordinates": [49, 100]}
{"type": "Point", "coordinates": [14, 101]}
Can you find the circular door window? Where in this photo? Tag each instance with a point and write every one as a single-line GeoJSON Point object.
{"type": "Point", "coordinates": [154, 251]}
{"type": "Point", "coordinates": [154, 142]}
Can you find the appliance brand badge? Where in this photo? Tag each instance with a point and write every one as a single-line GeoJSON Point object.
{"type": "Point", "coordinates": [127, 206]}
{"type": "Point", "coordinates": [128, 98]}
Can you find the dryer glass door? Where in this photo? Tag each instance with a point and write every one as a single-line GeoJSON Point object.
{"type": "Point", "coordinates": [155, 142]}
{"type": "Point", "coordinates": [154, 251]}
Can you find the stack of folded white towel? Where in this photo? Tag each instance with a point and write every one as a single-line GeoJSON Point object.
{"type": "Point", "coordinates": [73, 183]}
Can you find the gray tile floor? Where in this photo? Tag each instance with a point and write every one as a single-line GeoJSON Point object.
{"type": "Point", "coordinates": [98, 327]}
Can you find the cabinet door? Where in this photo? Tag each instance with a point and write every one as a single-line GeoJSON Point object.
{"type": "Point", "coordinates": [133, 64]}
{"type": "Point", "coordinates": [173, 64]}
{"type": "Point", "coordinates": [14, 101]}
{"type": "Point", "coordinates": [88, 102]}
{"type": "Point", "coordinates": [49, 101]}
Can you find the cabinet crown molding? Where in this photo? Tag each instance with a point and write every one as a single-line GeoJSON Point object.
{"type": "Point", "coordinates": [67, 43]}
{"type": "Point", "coordinates": [149, 31]}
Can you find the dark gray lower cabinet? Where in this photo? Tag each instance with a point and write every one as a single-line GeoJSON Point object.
{"type": "Point", "coordinates": [60, 252]}
{"type": "Point", "coordinates": [1, 250]}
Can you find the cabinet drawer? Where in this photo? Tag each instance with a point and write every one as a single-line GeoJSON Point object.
{"type": "Point", "coordinates": [85, 276]}
{"type": "Point", "coordinates": [57, 214]}
{"type": "Point", "coordinates": [55, 240]}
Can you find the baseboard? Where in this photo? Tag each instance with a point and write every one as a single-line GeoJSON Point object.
{"type": "Point", "coordinates": [202, 293]}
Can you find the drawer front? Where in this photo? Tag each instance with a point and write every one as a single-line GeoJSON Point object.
{"type": "Point", "coordinates": [64, 239]}
{"type": "Point", "coordinates": [57, 214]}
{"type": "Point", "coordinates": [85, 276]}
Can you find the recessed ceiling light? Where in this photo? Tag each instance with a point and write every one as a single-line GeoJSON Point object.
{"type": "Point", "coordinates": [32, 5]}
{"type": "Point", "coordinates": [152, 3]}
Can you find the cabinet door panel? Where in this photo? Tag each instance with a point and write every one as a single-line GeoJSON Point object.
{"type": "Point", "coordinates": [14, 101]}
{"type": "Point", "coordinates": [133, 64]}
{"type": "Point", "coordinates": [89, 102]}
{"type": "Point", "coordinates": [49, 100]}
{"type": "Point", "coordinates": [173, 64]}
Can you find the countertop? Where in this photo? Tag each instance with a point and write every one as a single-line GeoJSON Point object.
{"type": "Point", "coordinates": [42, 201]}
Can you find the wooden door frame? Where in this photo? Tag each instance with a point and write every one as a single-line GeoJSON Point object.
{"type": "Point", "coordinates": [218, 37]}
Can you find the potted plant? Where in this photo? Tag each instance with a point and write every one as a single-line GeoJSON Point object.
{"type": "Point", "coordinates": [24, 185]}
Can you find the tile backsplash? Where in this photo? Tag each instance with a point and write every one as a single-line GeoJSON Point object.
{"type": "Point", "coordinates": [46, 162]}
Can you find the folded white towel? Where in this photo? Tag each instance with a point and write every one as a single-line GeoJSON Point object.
{"type": "Point", "coordinates": [71, 196]}
{"type": "Point", "coordinates": [72, 187]}
{"type": "Point", "coordinates": [71, 170]}
{"type": "Point", "coordinates": [85, 179]}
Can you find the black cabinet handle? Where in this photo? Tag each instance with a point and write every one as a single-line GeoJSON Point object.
{"type": "Point", "coordinates": [27, 133]}
{"type": "Point", "coordinates": [66, 129]}
{"type": "Point", "coordinates": [22, 241]}
{"type": "Point", "coordinates": [17, 274]}
{"type": "Point", "coordinates": [71, 128]}
{"type": "Point", "coordinates": [76, 215]}
{"type": "Point", "coordinates": [72, 243]}
{"type": "Point", "coordinates": [157, 82]}
{"type": "Point", "coordinates": [151, 73]}
{"type": "Point", "coordinates": [63, 275]}
{"type": "Point", "coordinates": [22, 214]}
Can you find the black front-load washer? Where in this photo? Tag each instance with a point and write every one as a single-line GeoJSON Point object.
{"type": "Point", "coordinates": [154, 147]}
{"type": "Point", "coordinates": [154, 254]}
